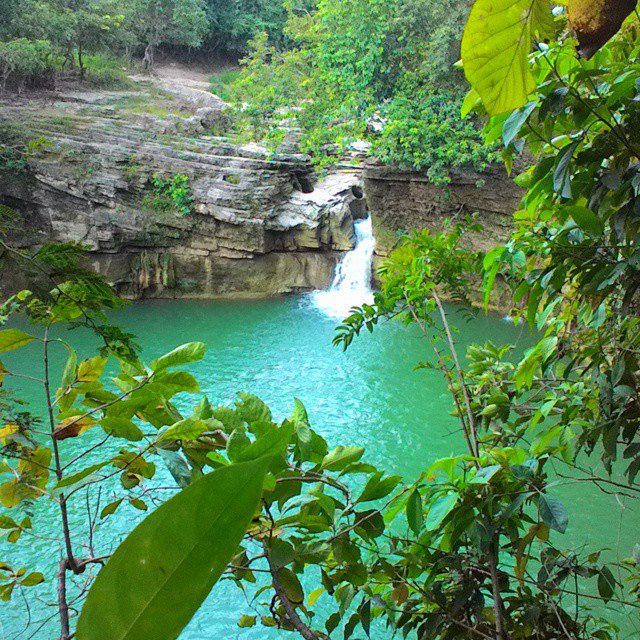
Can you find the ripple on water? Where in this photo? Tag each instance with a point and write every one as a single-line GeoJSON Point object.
{"type": "Point", "coordinates": [278, 350]}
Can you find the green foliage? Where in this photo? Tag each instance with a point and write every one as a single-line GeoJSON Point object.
{"type": "Point", "coordinates": [47, 37]}
{"type": "Point", "coordinates": [163, 556]}
{"type": "Point", "coordinates": [576, 225]}
{"type": "Point", "coordinates": [56, 35]}
{"type": "Point", "coordinates": [500, 33]}
{"type": "Point", "coordinates": [569, 263]}
{"type": "Point", "coordinates": [234, 24]}
{"type": "Point", "coordinates": [106, 71]}
{"type": "Point", "coordinates": [423, 131]}
{"type": "Point", "coordinates": [17, 147]}
{"type": "Point", "coordinates": [24, 63]}
{"type": "Point", "coordinates": [379, 71]}
{"type": "Point", "coordinates": [156, 22]}
{"type": "Point", "coordinates": [221, 83]}
{"type": "Point", "coordinates": [171, 194]}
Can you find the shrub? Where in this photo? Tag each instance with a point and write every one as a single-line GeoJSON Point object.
{"type": "Point", "coordinates": [222, 82]}
{"type": "Point", "coordinates": [171, 194]}
{"type": "Point", "coordinates": [106, 71]}
{"type": "Point", "coordinates": [16, 147]}
{"type": "Point", "coordinates": [27, 63]}
{"type": "Point", "coordinates": [423, 130]}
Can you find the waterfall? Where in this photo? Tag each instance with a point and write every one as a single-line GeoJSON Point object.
{"type": "Point", "coordinates": [351, 284]}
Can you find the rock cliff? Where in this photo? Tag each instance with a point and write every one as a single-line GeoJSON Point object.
{"type": "Point", "coordinates": [258, 223]}
{"type": "Point", "coordinates": [400, 201]}
{"type": "Point", "coordinates": [403, 200]}
{"type": "Point", "coordinates": [247, 222]}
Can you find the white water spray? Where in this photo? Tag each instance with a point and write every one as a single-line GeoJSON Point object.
{"type": "Point", "coordinates": [351, 284]}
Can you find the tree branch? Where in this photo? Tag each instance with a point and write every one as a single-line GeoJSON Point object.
{"type": "Point", "coordinates": [305, 631]}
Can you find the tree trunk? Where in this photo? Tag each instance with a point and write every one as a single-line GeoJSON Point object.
{"type": "Point", "coordinates": [69, 58]}
{"type": "Point", "coordinates": [147, 61]}
{"type": "Point", "coordinates": [81, 62]}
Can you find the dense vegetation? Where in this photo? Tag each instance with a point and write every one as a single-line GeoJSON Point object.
{"type": "Point", "coordinates": [473, 547]}
{"type": "Point", "coordinates": [365, 70]}
{"type": "Point", "coordinates": [339, 71]}
{"type": "Point", "coordinates": [41, 37]}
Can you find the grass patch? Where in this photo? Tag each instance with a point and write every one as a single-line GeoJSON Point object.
{"type": "Point", "coordinates": [222, 82]}
{"type": "Point", "coordinates": [107, 72]}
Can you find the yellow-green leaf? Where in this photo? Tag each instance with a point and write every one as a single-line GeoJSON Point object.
{"type": "Point", "coordinates": [8, 430]}
{"type": "Point", "coordinates": [496, 45]}
{"type": "Point", "coordinates": [340, 457]}
{"type": "Point", "coordinates": [183, 354]}
{"type": "Point", "coordinates": [246, 621]}
{"type": "Point", "coordinates": [187, 429]}
{"type": "Point", "coordinates": [73, 426]}
{"type": "Point", "coordinates": [11, 339]}
{"type": "Point", "coordinates": [122, 428]}
{"type": "Point", "coordinates": [314, 595]}
{"type": "Point", "coordinates": [90, 370]}
{"type": "Point", "coordinates": [9, 497]}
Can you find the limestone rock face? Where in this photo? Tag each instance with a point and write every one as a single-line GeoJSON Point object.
{"type": "Point", "coordinates": [260, 223]}
{"type": "Point", "coordinates": [403, 200]}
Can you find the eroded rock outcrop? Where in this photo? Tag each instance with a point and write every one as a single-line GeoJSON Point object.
{"type": "Point", "coordinates": [260, 223]}
{"type": "Point", "coordinates": [403, 200]}
{"type": "Point", "coordinates": [400, 201]}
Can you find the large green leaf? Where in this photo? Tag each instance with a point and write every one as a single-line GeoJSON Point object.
{"type": "Point", "coordinates": [553, 513]}
{"type": "Point", "coordinates": [122, 428]}
{"type": "Point", "coordinates": [378, 487]}
{"type": "Point", "coordinates": [187, 429]}
{"type": "Point", "coordinates": [495, 48]}
{"type": "Point", "coordinates": [585, 219]}
{"type": "Point", "coordinates": [340, 457]}
{"type": "Point", "coordinates": [271, 444]}
{"type": "Point", "coordinates": [606, 584]}
{"type": "Point", "coordinates": [158, 577]}
{"type": "Point", "coordinates": [11, 339]}
{"type": "Point", "coordinates": [184, 354]}
{"type": "Point", "coordinates": [414, 511]}
{"type": "Point", "coordinates": [439, 510]}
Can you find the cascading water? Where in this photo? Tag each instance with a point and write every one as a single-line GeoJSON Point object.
{"type": "Point", "coordinates": [351, 284]}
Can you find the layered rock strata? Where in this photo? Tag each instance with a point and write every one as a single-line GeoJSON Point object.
{"type": "Point", "coordinates": [258, 223]}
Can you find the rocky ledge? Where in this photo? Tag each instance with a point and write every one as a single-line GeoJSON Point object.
{"type": "Point", "coordinates": [401, 200]}
{"type": "Point", "coordinates": [258, 223]}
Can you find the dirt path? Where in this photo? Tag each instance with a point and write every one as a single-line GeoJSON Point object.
{"type": "Point", "coordinates": [188, 82]}
{"type": "Point", "coordinates": [176, 73]}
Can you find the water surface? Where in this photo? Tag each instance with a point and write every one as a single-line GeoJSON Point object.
{"type": "Point", "coordinates": [371, 396]}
